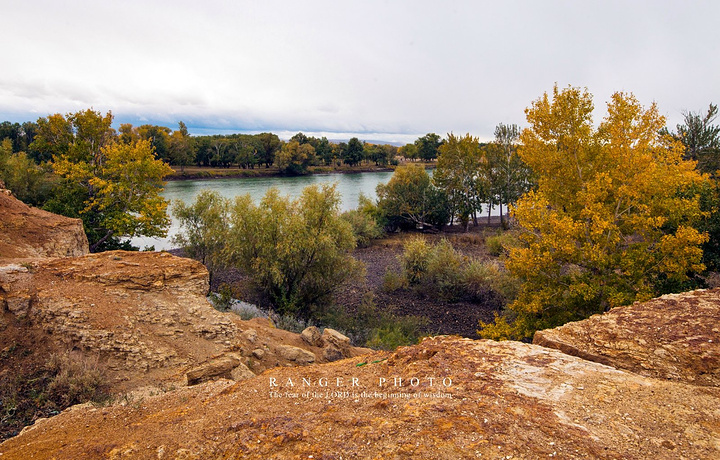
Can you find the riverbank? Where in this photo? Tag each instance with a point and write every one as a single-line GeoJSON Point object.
{"type": "Point", "coordinates": [203, 172]}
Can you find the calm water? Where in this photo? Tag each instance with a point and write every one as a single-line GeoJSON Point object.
{"type": "Point", "coordinates": [349, 185]}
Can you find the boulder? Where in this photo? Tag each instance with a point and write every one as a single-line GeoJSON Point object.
{"type": "Point", "coordinates": [295, 354]}
{"type": "Point", "coordinates": [27, 232]}
{"type": "Point", "coordinates": [674, 337]}
{"type": "Point", "coordinates": [311, 335]}
{"type": "Point", "coordinates": [241, 372]}
{"type": "Point", "coordinates": [215, 368]}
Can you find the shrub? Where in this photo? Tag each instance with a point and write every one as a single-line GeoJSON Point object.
{"type": "Point", "coordinates": [444, 270]}
{"type": "Point", "coordinates": [394, 281]}
{"type": "Point", "coordinates": [364, 226]}
{"type": "Point", "coordinates": [375, 328]}
{"type": "Point", "coordinates": [500, 244]}
{"type": "Point", "coordinates": [396, 331]}
{"type": "Point", "coordinates": [482, 276]}
{"type": "Point", "coordinates": [203, 227]}
{"type": "Point", "coordinates": [297, 251]}
{"type": "Point", "coordinates": [415, 259]}
{"type": "Point", "coordinates": [78, 380]}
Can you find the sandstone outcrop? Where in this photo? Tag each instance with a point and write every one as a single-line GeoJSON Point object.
{"type": "Point", "coordinates": [146, 316]}
{"type": "Point", "coordinates": [674, 337]}
{"type": "Point", "coordinates": [445, 398]}
{"type": "Point", "coordinates": [27, 232]}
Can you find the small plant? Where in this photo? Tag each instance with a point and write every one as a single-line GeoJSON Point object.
{"type": "Point", "coordinates": [247, 311]}
{"type": "Point", "coordinates": [415, 259]}
{"type": "Point", "coordinates": [394, 281]}
{"type": "Point", "coordinates": [290, 323]}
{"type": "Point", "coordinates": [499, 245]}
{"type": "Point", "coordinates": [77, 380]}
{"type": "Point", "coordinates": [223, 299]}
{"type": "Point", "coordinates": [364, 226]}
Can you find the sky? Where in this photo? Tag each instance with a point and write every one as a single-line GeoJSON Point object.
{"type": "Point", "coordinates": [380, 70]}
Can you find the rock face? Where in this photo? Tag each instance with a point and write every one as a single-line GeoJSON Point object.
{"type": "Point", "coordinates": [27, 232]}
{"type": "Point", "coordinates": [445, 398]}
{"type": "Point", "coordinates": [146, 316]}
{"type": "Point", "coordinates": [674, 337]}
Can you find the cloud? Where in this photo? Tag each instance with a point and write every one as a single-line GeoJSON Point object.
{"type": "Point", "coordinates": [368, 67]}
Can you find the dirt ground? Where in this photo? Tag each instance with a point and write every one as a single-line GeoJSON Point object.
{"type": "Point", "coordinates": [460, 318]}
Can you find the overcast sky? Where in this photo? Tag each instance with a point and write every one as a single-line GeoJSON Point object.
{"type": "Point", "coordinates": [387, 70]}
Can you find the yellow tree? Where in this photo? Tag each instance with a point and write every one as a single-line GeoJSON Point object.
{"type": "Point", "coordinates": [611, 219]}
{"type": "Point", "coordinates": [113, 186]}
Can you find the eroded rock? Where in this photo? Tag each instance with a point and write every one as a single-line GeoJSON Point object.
{"type": "Point", "coordinates": [27, 232]}
{"type": "Point", "coordinates": [445, 398]}
{"type": "Point", "coordinates": [311, 335]}
{"type": "Point", "coordinates": [675, 337]}
{"type": "Point", "coordinates": [295, 354]}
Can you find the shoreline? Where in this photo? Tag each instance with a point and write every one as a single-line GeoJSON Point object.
{"type": "Point", "coordinates": [209, 173]}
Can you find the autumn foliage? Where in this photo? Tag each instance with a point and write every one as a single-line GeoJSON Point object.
{"type": "Point", "coordinates": [611, 219]}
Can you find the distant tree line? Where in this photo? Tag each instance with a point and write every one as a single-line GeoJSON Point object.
{"type": "Point", "coordinates": [247, 151]}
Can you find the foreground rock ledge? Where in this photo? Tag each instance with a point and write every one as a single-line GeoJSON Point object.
{"type": "Point", "coordinates": [506, 398]}
{"type": "Point", "coordinates": [676, 336]}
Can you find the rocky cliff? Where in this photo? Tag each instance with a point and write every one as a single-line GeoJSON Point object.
{"type": "Point", "coordinates": [31, 232]}
{"type": "Point", "coordinates": [146, 316]}
{"type": "Point", "coordinates": [141, 319]}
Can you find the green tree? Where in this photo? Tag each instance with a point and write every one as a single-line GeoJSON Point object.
{"type": "Point", "coordinates": [298, 251]}
{"type": "Point", "coordinates": [701, 139]}
{"type": "Point", "coordinates": [53, 138]}
{"type": "Point", "coordinates": [409, 200]}
{"type": "Point", "coordinates": [408, 151]}
{"type": "Point", "coordinates": [295, 158]}
{"type": "Point", "coordinates": [324, 150]}
{"type": "Point", "coordinates": [458, 174]}
{"type": "Point", "coordinates": [269, 146]}
{"type": "Point", "coordinates": [427, 146]}
{"type": "Point", "coordinates": [159, 137]}
{"type": "Point", "coordinates": [203, 228]}
{"type": "Point", "coordinates": [354, 152]}
{"type": "Point", "coordinates": [181, 148]}
{"type": "Point", "coordinates": [30, 183]}
{"type": "Point", "coordinates": [508, 176]}
{"type": "Point", "coordinates": [610, 221]}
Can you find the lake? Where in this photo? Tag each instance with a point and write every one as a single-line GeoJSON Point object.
{"type": "Point", "coordinates": [350, 187]}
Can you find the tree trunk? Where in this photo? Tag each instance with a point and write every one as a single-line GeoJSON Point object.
{"type": "Point", "coordinates": [94, 247]}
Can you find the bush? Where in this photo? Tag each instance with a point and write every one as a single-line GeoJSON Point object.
{"type": "Point", "coordinates": [500, 244]}
{"type": "Point", "coordinates": [393, 281]}
{"type": "Point", "coordinates": [444, 271]}
{"type": "Point", "coordinates": [415, 259]}
{"type": "Point", "coordinates": [203, 227]}
{"type": "Point", "coordinates": [375, 328]}
{"type": "Point", "coordinates": [364, 226]}
{"type": "Point", "coordinates": [78, 380]}
{"type": "Point", "coordinates": [480, 277]}
{"type": "Point", "coordinates": [440, 270]}
{"type": "Point", "coordinates": [297, 251]}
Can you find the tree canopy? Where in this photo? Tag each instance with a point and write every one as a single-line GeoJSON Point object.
{"type": "Point", "coordinates": [611, 219]}
{"type": "Point", "coordinates": [113, 186]}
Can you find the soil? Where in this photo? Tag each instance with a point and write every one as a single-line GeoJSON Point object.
{"type": "Point", "coordinates": [451, 318]}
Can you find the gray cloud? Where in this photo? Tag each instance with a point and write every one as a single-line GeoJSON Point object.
{"type": "Point", "coordinates": [390, 68]}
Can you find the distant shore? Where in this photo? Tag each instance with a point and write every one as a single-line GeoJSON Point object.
{"type": "Point", "coordinates": [202, 172]}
